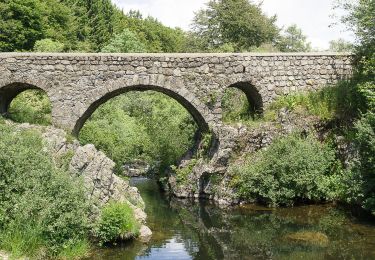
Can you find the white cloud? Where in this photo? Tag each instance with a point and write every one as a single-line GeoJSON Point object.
{"type": "Point", "coordinates": [174, 13]}
{"type": "Point", "coordinates": [312, 16]}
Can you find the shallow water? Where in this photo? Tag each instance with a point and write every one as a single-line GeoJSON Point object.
{"type": "Point", "coordinates": [201, 230]}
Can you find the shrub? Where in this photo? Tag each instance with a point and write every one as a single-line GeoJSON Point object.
{"type": "Point", "coordinates": [116, 222]}
{"type": "Point", "coordinates": [125, 42]}
{"type": "Point", "coordinates": [48, 45]}
{"type": "Point", "coordinates": [42, 209]}
{"type": "Point", "coordinates": [361, 182]}
{"type": "Point", "coordinates": [291, 169]}
{"type": "Point", "coordinates": [31, 106]}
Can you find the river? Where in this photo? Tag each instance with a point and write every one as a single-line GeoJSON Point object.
{"type": "Point", "coordinates": [201, 230]}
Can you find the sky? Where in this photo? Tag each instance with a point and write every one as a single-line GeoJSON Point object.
{"type": "Point", "coordinates": [314, 17]}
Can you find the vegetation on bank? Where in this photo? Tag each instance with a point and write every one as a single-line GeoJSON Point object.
{"type": "Point", "coordinates": [116, 222]}
{"type": "Point", "coordinates": [292, 169]}
{"type": "Point", "coordinates": [267, 176]}
{"type": "Point", "coordinates": [40, 201]}
{"type": "Point", "coordinates": [44, 211]}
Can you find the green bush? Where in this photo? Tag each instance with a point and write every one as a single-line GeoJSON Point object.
{"type": "Point", "coordinates": [361, 176]}
{"type": "Point", "coordinates": [43, 210]}
{"type": "Point", "coordinates": [292, 169]}
{"type": "Point", "coordinates": [126, 41]}
{"type": "Point", "coordinates": [31, 106]}
{"type": "Point", "coordinates": [48, 45]}
{"type": "Point", "coordinates": [116, 222]}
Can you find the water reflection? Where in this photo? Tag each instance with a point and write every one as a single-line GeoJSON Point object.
{"type": "Point", "coordinates": [192, 230]}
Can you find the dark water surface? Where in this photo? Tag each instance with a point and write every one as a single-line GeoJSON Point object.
{"type": "Point", "coordinates": [200, 230]}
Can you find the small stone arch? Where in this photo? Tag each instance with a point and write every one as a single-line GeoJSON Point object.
{"type": "Point", "coordinates": [191, 104]}
{"type": "Point", "coordinates": [11, 90]}
{"type": "Point", "coordinates": [252, 93]}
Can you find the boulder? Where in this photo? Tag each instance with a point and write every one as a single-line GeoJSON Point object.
{"type": "Point", "coordinates": [145, 234]}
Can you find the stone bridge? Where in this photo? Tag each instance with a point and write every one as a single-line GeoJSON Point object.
{"type": "Point", "coordinates": [78, 83]}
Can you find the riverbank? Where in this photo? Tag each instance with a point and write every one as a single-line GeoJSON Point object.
{"type": "Point", "coordinates": [186, 229]}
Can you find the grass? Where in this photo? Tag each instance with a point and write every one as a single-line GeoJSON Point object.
{"type": "Point", "coordinates": [338, 101]}
{"type": "Point", "coordinates": [331, 102]}
{"type": "Point", "coordinates": [22, 240]}
{"type": "Point", "coordinates": [75, 251]}
{"type": "Point", "coordinates": [117, 221]}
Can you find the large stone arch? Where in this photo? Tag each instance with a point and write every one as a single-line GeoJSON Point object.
{"type": "Point", "coordinates": [192, 104]}
{"type": "Point", "coordinates": [10, 89]}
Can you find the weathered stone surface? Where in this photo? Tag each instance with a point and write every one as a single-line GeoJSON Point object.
{"type": "Point", "coordinates": [78, 83]}
{"type": "Point", "coordinates": [145, 234]}
{"type": "Point", "coordinates": [136, 168]}
{"type": "Point", "coordinates": [100, 181]}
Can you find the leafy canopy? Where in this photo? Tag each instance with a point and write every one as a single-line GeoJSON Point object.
{"type": "Point", "coordinates": [238, 23]}
{"type": "Point", "coordinates": [293, 40]}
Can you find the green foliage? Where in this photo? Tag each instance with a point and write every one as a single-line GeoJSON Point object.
{"type": "Point", "coordinates": [292, 169]}
{"type": "Point", "coordinates": [236, 22]}
{"type": "Point", "coordinates": [31, 106]}
{"type": "Point", "coordinates": [140, 126]}
{"type": "Point", "coordinates": [117, 134]}
{"type": "Point", "coordinates": [182, 173]}
{"type": "Point", "coordinates": [48, 45]}
{"type": "Point", "coordinates": [39, 203]}
{"type": "Point", "coordinates": [293, 40]}
{"type": "Point", "coordinates": [79, 25]}
{"type": "Point", "coordinates": [338, 101]}
{"type": "Point", "coordinates": [116, 221]}
{"type": "Point", "coordinates": [341, 45]}
{"type": "Point", "coordinates": [235, 106]}
{"type": "Point", "coordinates": [77, 250]}
{"type": "Point", "coordinates": [124, 42]}
{"type": "Point", "coordinates": [366, 166]}
{"type": "Point", "coordinates": [154, 35]}
{"type": "Point", "coordinates": [20, 25]}
{"type": "Point", "coordinates": [361, 179]}
{"type": "Point", "coordinates": [360, 20]}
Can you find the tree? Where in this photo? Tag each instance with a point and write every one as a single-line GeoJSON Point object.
{"type": "Point", "coordinates": [293, 40]}
{"type": "Point", "coordinates": [235, 22]}
{"type": "Point", "coordinates": [340, 45]}
{"type": "Point", "coordinates": [124, 42]}
{"type": "Point", "coordinates": [360, 19]}
{"type": "Point", "coordinates": [152, 33]}
{"type": "Point", "coordinates": [48, 45]}
{"type": "Point", "coordinates": [58, 22]}
{"type": "Point", "coordinates": [20, 25]}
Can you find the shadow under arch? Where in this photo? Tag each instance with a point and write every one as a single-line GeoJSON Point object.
{"type": "Point", "coordinates": [12, 90]}
{"type": "Point", "coordinates": [253, 96]}
{"type": "Point", "coordinates": [198, 117]}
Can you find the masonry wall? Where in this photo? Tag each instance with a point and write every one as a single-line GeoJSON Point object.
{"type": "Point", "coordinates": [78, 83]}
